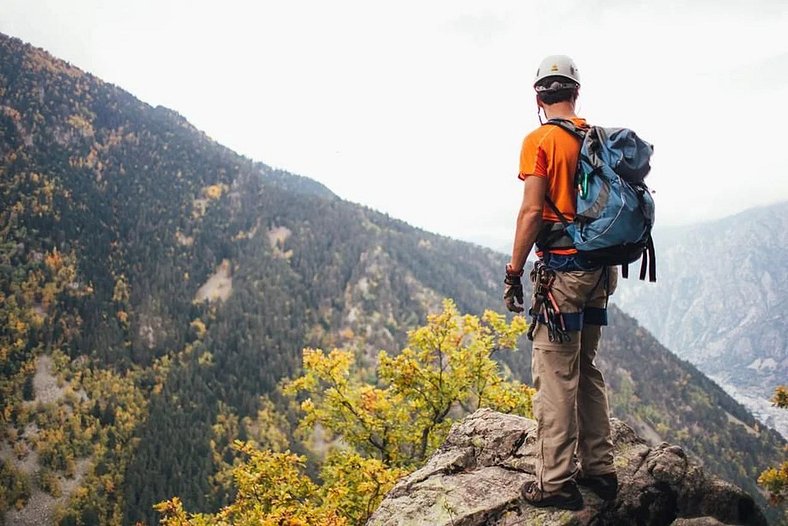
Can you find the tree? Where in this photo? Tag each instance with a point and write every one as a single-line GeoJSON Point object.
{"type": "Point", "coordinates": [387, 427]}
{"type": "Point", "coordinates": [775, 479]}
{"type": "Point", "coordinates": [446, 371]}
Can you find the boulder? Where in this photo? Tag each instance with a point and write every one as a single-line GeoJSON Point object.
{"type": "Point", "coordinates": [476, 476]}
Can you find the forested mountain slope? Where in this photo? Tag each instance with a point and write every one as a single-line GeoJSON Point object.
{"type": "Point", "coordinates": [170, 283]}
{"type": "Point", "coordinates": [721, 303]}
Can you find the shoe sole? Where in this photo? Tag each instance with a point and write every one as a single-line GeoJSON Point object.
{"type": "Point", "coordinates": [602, 493]}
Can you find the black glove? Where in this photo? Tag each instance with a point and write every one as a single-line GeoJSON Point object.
{"type": "Point", "coordinates": [513, 290]}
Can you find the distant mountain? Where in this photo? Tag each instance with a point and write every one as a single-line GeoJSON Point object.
{"type": "Point", "coordinates": [155, 285]}
{"type": "Point", "coordinates": [721, 302]}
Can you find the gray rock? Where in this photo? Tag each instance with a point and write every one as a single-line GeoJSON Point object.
{"type": "Point", "coordinates": [476, 476]}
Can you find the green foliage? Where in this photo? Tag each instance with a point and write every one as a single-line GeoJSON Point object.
{"type": "Point", "coordinates": [14, 487]}
{"type": "Point", "coordinates": [47, 480]}
{"type": "Point", "coordinates": [446, 372]}
{"type": "Point", "coordinates": [386, 429]}
{"type": "Point", "coordinates": [143, 208]}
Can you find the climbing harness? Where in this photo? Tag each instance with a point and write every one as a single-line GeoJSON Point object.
{"type": "Point", "coordinates": [545, 308]}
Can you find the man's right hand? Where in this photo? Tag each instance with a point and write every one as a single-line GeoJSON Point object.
{"type": "Point", "coordinates": [513, 290]}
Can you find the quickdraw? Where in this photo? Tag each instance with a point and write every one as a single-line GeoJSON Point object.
{"type": "Point", "coordinates": [545, 308]}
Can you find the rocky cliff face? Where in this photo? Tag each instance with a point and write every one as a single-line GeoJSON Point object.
{"type": "Point", "coordinates": [475, 478]}
{"type": "Point", "coordinates": [720, 303]}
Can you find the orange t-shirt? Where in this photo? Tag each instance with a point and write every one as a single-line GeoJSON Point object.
{"type": "Point", "coordinates": [552, 152]}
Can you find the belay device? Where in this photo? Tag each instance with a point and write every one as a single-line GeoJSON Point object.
{"type": "Point", "coordinates": [615, 210]}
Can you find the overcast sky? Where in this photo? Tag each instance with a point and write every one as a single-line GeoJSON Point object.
{"type": "Point", "coordinates": [418, 108]}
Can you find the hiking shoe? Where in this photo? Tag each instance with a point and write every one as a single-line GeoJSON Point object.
{"type": "Point", "coordinates": [605, 486]}
{"type": "Point", "coordinates": [567, 497]}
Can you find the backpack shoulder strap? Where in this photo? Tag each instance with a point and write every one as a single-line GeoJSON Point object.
{"type": "Point", "coordinates": [569, 126]}
{"type": "Point", "coordinates": [580, 133]}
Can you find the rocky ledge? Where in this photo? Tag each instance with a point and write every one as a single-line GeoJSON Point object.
{"type": "Point", "coordinates": [476, 476]}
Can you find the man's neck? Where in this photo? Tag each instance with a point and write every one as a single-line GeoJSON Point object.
{"type": "Point", "coordinates": [560, 110]}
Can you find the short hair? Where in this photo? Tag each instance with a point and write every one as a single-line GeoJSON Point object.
{"type": "Point", "coordinates": [552, 96]}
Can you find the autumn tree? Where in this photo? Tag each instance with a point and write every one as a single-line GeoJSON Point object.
{"type": "Point", "coordinates": [383, 428]}
{"type": "Point", "coordinates": [446, 371]}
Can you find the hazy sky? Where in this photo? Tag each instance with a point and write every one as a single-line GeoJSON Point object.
{"type": "Point", "coordinates": [418, 108]}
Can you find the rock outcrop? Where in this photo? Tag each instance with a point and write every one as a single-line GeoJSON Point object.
{"type": "Point", "coordinates": [476, 476]}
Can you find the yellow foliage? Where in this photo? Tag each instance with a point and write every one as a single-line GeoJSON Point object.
{"type": "Point", "coordinates": [446, 371]}
{"type": "Point", "coordinates": [775, 481]}
{"type": "Point", "coordinates": [53, 260]}
{"type": "Point", "coordinates": [387, 428]}
{"type": "Point", "coordinates": [81, 123]}
{"type": "Point", "coordinates": [213, 191]}
{"type": "Point", "coordinates": [269, 429]}
{"type": "Point", "coordinates": [109, 485]}
{"type": "Point", "coordinates": [199, 328]}
{"type": "Point", "coordinates": [780, 398]}
{"type": "Point", "coordinates": [273, 490]}
{"type": "Point", "coordinates": [206, 358]}
{"type": "Point", "coordinates": [20, 327]}
{"type": "Point", "coordinates": [120, 293]}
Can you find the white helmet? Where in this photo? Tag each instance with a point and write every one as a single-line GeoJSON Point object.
{"type": "Point", "coordinates": [557, 66]}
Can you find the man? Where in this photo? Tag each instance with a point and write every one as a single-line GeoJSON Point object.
{"type": "Point", "coordinates": [569, 307]}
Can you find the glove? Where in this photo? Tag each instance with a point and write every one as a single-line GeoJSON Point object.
{"type": "Point", "coordinates": [513, 290]}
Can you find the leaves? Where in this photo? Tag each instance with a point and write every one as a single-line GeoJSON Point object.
{"type": "Point", "coordinates": [383, 429]}
{"type": "Point", "coordinates": [775, 481]}
{"type": "Point", "coordinates": [446, 371]}
{"type": "Point", "coordinates": [780, 397]}
{"type": "Point", "coordinates": [272, 490]}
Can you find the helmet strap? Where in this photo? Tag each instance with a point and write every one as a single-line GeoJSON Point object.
{"type": "Point", "coordinates": [539, 114]}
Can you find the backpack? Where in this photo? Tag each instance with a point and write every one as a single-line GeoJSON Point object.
{"type": "Point", "coordinates": [615, 210]}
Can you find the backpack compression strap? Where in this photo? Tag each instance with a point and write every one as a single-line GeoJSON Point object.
{"type": "Point", "coordinates": [650, 260]}
{"type": "Point", "coordinates": [648, 263]}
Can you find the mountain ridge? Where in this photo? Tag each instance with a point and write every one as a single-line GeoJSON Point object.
{"type": "Point", "coordinates": [725, 310]}
{"type": "Point", "coordinates": [116, 215]}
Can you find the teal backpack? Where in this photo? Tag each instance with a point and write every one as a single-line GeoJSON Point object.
{"type": "Point", "coordinates": [615, 210]}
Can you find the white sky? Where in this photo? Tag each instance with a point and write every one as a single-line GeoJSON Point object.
{"type": "Point", "coordinates": [418, 108]}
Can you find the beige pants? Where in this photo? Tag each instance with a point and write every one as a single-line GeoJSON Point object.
{"type": "Point", "coordinates": [571, 402]}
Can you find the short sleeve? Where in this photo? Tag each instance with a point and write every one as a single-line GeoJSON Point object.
{"type": "Point", "coordinates": [533, 160]}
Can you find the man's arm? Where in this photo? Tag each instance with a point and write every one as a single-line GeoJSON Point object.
{"type": "Point", "coordinates": [529, 220]}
